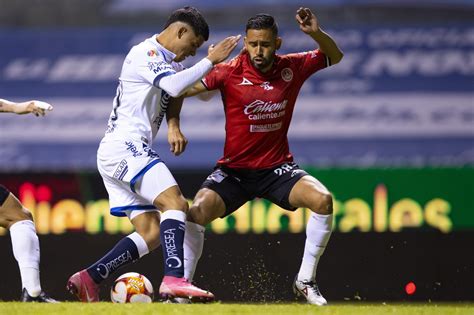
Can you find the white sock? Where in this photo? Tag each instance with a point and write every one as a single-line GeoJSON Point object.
{"type": "Point", "coordinates": [142, 247]}
{"type": "Point", "coordinates": [177, 215]}
{"type": "Point", "coordinates": [193, 245]}
{"type": "Point", "coordinates": [26, 250]}
{"type": "Point", "coordinates": [318, 231]}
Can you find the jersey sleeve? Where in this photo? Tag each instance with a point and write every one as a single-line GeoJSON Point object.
{"type": "Point", "coordinates": [310, 62]}
{"type": "Point", "coordinates": [153, 68]}
{"type": "Point", "coordinates": [177, 66]}
{"type": "Point", "coordinates": [215, 79]}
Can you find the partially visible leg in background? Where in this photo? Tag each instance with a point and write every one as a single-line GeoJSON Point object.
{"type": "Point", "coordinates": [25, 244]}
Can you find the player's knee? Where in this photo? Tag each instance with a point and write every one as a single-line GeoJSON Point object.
{"type": "Point", "coordinates": [182, 204]}
{"type": "Point", "coordinates": [26, 215]}
{"type": "Point", "coordinates": [20, 214]}
{"type": "Point", "coordinates": [175, 203]}
{"type": "Point", "coordinates": [324, 204]}
{"type": "Point", "coordinates": [198, 215]}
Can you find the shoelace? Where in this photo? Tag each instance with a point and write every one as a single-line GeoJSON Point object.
{"type": "Point", "coordinates": [313, 286]}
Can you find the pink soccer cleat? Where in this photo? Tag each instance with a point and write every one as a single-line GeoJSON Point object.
{"type": "Point", "coordinates": [81, 285]}
{"type": "Point", "coordinates": [173, 287]}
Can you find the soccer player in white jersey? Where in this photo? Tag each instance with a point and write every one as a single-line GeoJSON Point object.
{"type": "Point", "coordinates": [138, 182]}
{"type": "Point", "coordinates": [19, 221]}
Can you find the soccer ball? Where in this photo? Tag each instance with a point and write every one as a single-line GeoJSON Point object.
{"type": "Point", "coordinates": [132, 287]}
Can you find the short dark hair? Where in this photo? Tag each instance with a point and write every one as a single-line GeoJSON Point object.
{"type": "Point", "coordinates": [193, 18]}
{"type": "Point", "coordinates": [262, 21]}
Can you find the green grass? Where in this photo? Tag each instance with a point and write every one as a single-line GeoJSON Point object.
{"type": "Point", "coordinates": [16, 308]}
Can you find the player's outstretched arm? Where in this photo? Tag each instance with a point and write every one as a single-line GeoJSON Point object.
{"type": "Point", "coordinates": [176, 84]}
{"type": "Point", "coordinates": [37, 108]}
{"type": "Point", "coordinates": [201, 91]}
{"type": "Point", "coordinates": [176, 139]}
{"type": "Point", "coordinates": [309, 24]}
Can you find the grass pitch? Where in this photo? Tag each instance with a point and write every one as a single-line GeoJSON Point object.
{"type": "Point", "coordinates": [16, 308]}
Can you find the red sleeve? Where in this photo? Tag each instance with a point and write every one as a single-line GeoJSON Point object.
{"type": "Point", "coordinates": [309, 62]}
{"type": "Point", "coordinates": [215, 79]}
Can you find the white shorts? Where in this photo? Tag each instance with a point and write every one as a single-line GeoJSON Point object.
{"type": "Point", "coordinates": [133, 175]}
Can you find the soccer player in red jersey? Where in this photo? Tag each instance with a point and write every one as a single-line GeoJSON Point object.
{"type": "Point", "coordinates": [19, 221]}
{"type": "Point", "coordinates": [259, 90]}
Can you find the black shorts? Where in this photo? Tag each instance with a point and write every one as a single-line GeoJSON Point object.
{"type": "Point", "coordinates": [237, 186]}
{"type": "Point", "coordinates": [4, 193]}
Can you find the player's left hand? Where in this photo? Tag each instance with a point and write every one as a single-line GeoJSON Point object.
{"type": "Point", "coordinates": [177, 141]}
{"type": "Point", "coordinates": [307, 21]}
{"type": "Point", "coordinates": [37, 108]}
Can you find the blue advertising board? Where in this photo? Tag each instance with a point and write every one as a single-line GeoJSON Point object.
{"type": "Point", "coordinates": [402, 96]}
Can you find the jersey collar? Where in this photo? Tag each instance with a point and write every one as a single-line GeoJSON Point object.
{"type": "Point", "coordinates": [168, 56]}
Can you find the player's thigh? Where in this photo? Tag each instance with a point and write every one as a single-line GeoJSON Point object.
{"type": "Point", "coordinates": [159, 187]}
{"type": "Point", "coordinates": [12, 210]}
{"type": "Point", "coordinates": [207, 206]}
{"type": "Point", "coordinates": [310, 193]}
{"type": "Point", "coordinates": [276, 184]}
{"type": "Point", "coordinates": [220, 195]}
{"type": "Point", "coordinates": [122, 200]}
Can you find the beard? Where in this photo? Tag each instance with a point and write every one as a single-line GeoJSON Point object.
{"type": "Point", "coordinates": [261, 63]}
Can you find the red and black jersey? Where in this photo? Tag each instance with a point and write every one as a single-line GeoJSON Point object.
{"type": "Point", "coordinates": [259, 106]}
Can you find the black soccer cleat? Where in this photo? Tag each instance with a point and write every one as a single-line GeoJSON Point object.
{"type": "Point", "coordinates": [42, 298]}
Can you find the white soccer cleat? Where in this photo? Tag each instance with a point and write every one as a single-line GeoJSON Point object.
{"type": "Point", "coordinates": [310, 290]}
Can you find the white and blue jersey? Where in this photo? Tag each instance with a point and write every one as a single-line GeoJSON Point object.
{"type": "Point", "coordinates": [140, 105]}
{"type": "Point", "coordinates": [125, 155]}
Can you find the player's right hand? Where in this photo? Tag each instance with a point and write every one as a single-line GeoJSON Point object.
{"type": "Point", "coordinates": [220, 52]}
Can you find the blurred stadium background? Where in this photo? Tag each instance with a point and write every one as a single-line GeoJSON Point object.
{"type": "Point", "coordinates": [390, 131]}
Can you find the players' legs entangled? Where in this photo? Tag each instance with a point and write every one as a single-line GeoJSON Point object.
{"type": "Point", "coordinates": [308, 192]}
{"type": "Point", "coordinates": [173, 206]}
{"type": "Point", "coordinates": [25, 244]}
{"type": "Point", "coordinates": [207, 206]}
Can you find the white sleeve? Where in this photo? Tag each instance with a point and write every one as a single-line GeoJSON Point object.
{"type": "Point", "coordinates": [177, 83]}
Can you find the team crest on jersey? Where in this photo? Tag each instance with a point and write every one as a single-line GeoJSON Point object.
{"type": "Point", "coordinates": [287, 74]}
{"type": "Point", "coordinates": [152, 53]}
